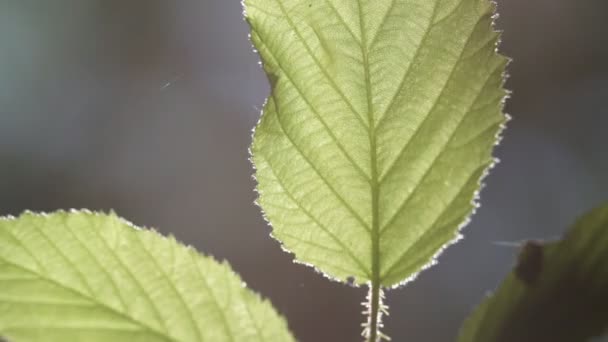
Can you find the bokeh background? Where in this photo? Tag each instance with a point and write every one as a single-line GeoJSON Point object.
{"type": "Point", "coordinates": [146, 107]}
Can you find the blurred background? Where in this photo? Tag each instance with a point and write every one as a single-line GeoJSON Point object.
{"type": "Point", "coordinates": [146, 107]}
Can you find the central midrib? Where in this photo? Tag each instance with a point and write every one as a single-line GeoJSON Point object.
{"type": "Point", "coordinates": [374, 186]}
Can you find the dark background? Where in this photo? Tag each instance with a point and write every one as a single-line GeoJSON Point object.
{"type": "Point", "coordinates": [146, 107]}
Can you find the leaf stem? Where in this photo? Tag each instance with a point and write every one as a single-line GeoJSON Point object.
{"type": "Point", "coordinates": [374, 298]}
{"type": "Point", "coordinates": [375, 308]}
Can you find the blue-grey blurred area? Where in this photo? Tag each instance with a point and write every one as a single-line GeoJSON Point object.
{"type": "Point", "coordinates": [146, 107]}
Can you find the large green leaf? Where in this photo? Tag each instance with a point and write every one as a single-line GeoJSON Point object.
{"type": "Point", "coordinates": [83, 276]}
{"type": "Point", "coordinates": [557, 292]}
{"type": "Point", "coordinates": [379, 127]}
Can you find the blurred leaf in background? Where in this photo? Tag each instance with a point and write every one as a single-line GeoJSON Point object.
{"type": "Point", "coordinates": [557, 292]}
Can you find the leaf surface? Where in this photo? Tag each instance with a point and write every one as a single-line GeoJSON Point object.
{"type": "Point", "coordinates": [557, 292]}
{"type": "Point", "coordinates": [84, 276]}
{"type": "Point", "coordinates": [378, 129]}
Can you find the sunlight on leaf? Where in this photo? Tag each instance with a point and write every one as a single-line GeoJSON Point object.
{"type": "Point", "coordinates": [378, 130]}
{"type": "Point", "coordinates": [84, 276]}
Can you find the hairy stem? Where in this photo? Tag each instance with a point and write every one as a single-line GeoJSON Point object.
{"type": "Point", "coordinates": [373, 312]}
{"type": "Point", "coordinates": [375, 308]}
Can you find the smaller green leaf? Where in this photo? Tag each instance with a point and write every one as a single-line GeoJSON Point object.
{"type": "Point", "coordinates": [557, 292]}
{"type": "Point", "coordinates": [83, 276]}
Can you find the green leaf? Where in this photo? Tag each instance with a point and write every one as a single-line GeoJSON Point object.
{"type": "Point", "coordinates": [557, 292]}
{"type": "Point", "coordinates": [380, 125]}
{"type": "Point", "coordinates": [84, 276]}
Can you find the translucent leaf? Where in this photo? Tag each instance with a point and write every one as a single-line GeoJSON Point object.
{"type": "Point", "coordinates": [84, 276]}
{"type": "Point", "coordinates": [557, 292]}
{"type": "Point", "coordinates": [379, 127]}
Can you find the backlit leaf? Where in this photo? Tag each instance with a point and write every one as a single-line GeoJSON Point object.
{"type": "Point", "coordinates": [84, 276]}
{"type": "Point", "coordinates": [380, 125]}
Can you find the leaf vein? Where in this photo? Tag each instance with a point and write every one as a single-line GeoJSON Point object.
{"type": "Point", "coordinates": [27, 250]}
{"type": "Point", "coordinates": [313, 166]}
{"type": "Point", "coordinates": [352, 255]}
{"type": "Point", "coordinates": [89, 297]}
{"type": "Point", "coordinates": [333, 8]}
{"type": "Point", "coordinates": [137, 283]}
{"type": "Point", "coordinates": [438, 156]}
{"type": "Point", "coordinates": [418, 129]}
{"type": "Point", "coordinates": [62, 255]}
{"type": "Point", "coordinates": [213, 298]}
{"type": "Point", "coordinates": [410, 68]}
{"type": "Point", "coordinates": [317, 115]}
{"type": "Point", "coordinates": [313, 244]}
{"type": "Point", "coordinates": [389, 271]}
{"type": "Point", "coordinates": [95, 259]}
{"type": "Point", "coordinates": [319, 65]}
{"type": "Point", "coordinates": [178, 295]}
